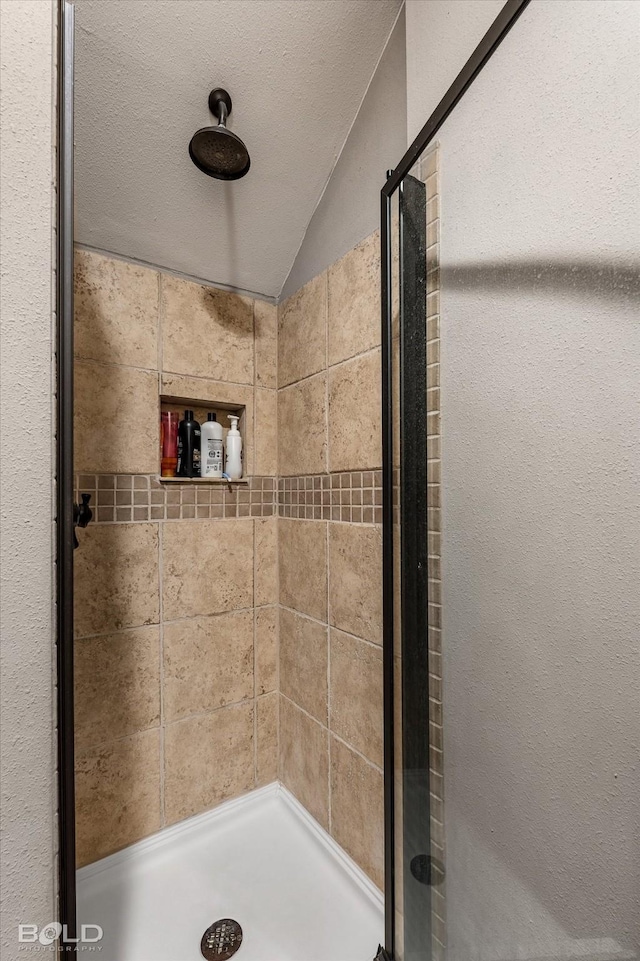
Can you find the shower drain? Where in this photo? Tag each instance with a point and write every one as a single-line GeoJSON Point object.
{"type": "Point", "coordinates": [221, 940]}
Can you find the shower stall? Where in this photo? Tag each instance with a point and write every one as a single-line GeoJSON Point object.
{"type": "Point", "coordinates": [348, 706]}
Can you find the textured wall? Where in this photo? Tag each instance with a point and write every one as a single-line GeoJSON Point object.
{"type": "Point", "coordinates": [176, 623]}
{"type": "Point", "coordinates": [441, 35]}
{"type": "Point", "coordinates": [349, 209]}
{"type": "Point", "coordinates": [540, 359]}
{"type": "Point", "coordinates": [26, 635]}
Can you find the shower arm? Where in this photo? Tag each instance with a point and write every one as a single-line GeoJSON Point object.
{"type": "Point", "coordinates": [222, 114]}
{"type": "Point", "coordinates": [220, 105]}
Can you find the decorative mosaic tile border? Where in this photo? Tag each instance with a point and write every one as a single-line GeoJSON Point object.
{"type": "Point", "coordinates": [353, 496]}
{"type": "Point", "coordinates": [123, 498]}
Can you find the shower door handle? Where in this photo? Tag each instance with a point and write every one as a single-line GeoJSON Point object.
{"type": "Point", "coordinates": [82, 514]}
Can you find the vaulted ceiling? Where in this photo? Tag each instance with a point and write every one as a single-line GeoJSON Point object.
{"type": "Point", "coordinates": [297, 71]}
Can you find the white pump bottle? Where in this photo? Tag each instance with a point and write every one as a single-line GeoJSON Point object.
{"type": "Point", "coordinates": [233, 463]}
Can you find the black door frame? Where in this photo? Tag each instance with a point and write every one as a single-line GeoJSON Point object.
{"type": "Point", "coordinates": [64, 478]}
{"type": "Point", "coordinates": [411, 558]}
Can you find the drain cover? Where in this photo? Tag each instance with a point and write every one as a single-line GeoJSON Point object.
{"type": "Point", "coordinates": [221, 940]}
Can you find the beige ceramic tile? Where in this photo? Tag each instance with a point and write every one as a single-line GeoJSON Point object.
{"type": "Point", "coordinates": [356, 694]}
{"type": "Point", "coordinates": [208, 662]}
{"type": "Point", "coordinates": [355, 580]}
{"type": "Point", "coordinates": [200, 390]}
{"type": "Point", "coordinates": [357, 810]}
{"type": "Point", "coordinates": [208, 759]}
{"type": "Point", "coordinates": [116, 578]}
{"type": "Point", "coordinates": [429, 163]}
{"type": "Point", "coordinates": [304, 653]}
{"type": "Point", "coordinates": [267, 735]}
{"type": "Point", "coordinates": [266, 328]}
{"type": "Point", "coordinates": [302, 320]}
{"type": "Point", "coordinates": [207, 567]}
{"type": "Point", "coordinates": [116, 311]}
{"type": "Point", "coordinates": [354, 301]}
{"type": "Point", "coordinates": [304, 760]}
{"type": "Point", "coordinates": [266, 560]}
{"type": "Point", "coordinates": [303, 566]}
{"type": "Point", "coordinates": [266, 649]}
{"type": "Point", "coordinates": [117, 685]}
{"type": "Point", "coordinates": [266, 433]}
{"type": "Point", "coordinates": [206, 332]}
{"type": "Point", "coordinates": [355, 440]}
{"type": "Point", "coordinates": [116, 420]}
{"type": "Point", "coordinates": [302, 428]}
{"type": "Point", "coordinates": [117, 795]}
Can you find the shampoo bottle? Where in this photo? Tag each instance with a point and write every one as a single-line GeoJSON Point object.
{"type": "Point", "coordinates": [233, 465]}
{"type": "Point", "coordinates": [189, 446]}
{"type": "Point", "coordinates": [211, 448]}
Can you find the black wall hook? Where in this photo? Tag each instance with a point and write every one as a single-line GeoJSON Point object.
{"type": "Point", "coordinates": [82, 514]}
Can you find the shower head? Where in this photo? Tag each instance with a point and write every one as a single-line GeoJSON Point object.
{"type": "Point", "coordinates": [217, 151]}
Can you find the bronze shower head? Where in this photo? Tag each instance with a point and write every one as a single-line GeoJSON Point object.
{"type": "Point", "coordinates": [216, 151]}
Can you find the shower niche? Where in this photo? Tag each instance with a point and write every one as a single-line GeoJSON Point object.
{"type": "Point", "coordinates": [201, 408]}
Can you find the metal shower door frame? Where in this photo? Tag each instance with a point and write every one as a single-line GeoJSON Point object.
{"type": "Point", "coordinates": [64, 478]}
{"type": "Point", "coordinates": [411, 559]}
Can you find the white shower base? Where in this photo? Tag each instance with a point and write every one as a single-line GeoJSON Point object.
{"type": "Point", "coordinates": [261, 860]}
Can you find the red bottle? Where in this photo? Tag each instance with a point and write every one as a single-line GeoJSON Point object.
{"type": "Point", "coordinates": [169, 443]}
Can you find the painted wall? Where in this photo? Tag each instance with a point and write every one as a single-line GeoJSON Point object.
{"type": "Point", "coordinates": [349, 209]}
{"type": "Point", "coordinates": [441, 35]}
{"type": "Point", "coordinates": [540, 357]}
{"type": "Point", "coordinates": [26, 457]}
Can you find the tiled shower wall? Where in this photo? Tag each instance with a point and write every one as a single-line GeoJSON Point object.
{"type": "Point", "coordinates": [176, 587]}
{"type": "Point", "coordinates": [330, 552]}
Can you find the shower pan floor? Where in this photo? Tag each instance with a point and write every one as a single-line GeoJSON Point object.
{"type": "Point", "coordinates": [260, 860]}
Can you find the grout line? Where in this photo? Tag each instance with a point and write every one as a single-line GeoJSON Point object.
{"type": "Point", "coordinates": [160, 326]}
{"type": "Point", "coordinates": [216, 710]}
{"type": "Point", "coordinates": [328, 623]}
{"type": "Point", "coordinates": [320, 520]}
{"type": "Point", "coordinates": [332, 734]}
{"type": "Point", "coordinates": [162, 707]}
{"type": "Point", "coordinates": [255, 690]}
{"type": "Point", "coordinates": [338, 363]}
{"type": "Point", "coordinates": [163, 373]}
{"type": "Point", "coordinates": [173, 620]}
{"type": "Point", "coordinates": [277, 599]}
{"type": "Point", "coordinates": [159, 727]}
{"type": "Point", "coordinates": [327, 452]}
{"type": "Point", "coordinates": [317, 373]}
{"type": "Point", "coordinates": [356, 356]}
{"type": "Point", "coordinates": [329, 754]}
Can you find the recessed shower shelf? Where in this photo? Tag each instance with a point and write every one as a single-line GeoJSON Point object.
{"type": "Point", "coordinates": [203, 480]}
{"type": "Point", "coordinates": [201, 409]}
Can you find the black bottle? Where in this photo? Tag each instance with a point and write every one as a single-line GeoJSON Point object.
{"type": "Point", "coordinates": [188, 446]}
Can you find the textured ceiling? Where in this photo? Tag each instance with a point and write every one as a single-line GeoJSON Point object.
{"type": "Point", "coordinates": [297, 71]}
